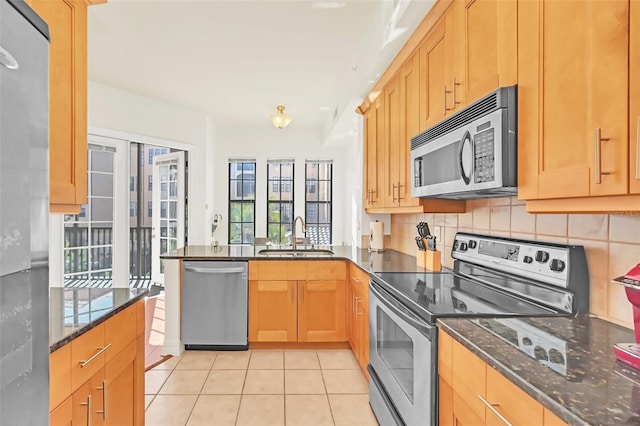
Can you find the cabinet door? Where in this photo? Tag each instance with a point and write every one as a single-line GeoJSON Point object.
{"type": "Point", "coordinates": [392, 126]}
{"type": "Point", "coordinates": [511, 402]}
{"type": "Point", "coordinates": [272, 311]}
{"type": "Point", "coordinates": [59, 376]}
{"type": "Point", "coordinates": [634, 98]}
{"type": "Point", "coordinates": [321, 311]}
{"type": "Point", "coordinates": [370, 157]}
{"type": "Point", "coordinates": [445, 403]}
{"type": "Point", "coordinates": [488, 31]}
{"type": "Point", "coordinates": [566, 100]}
{"type": "Point", "coordinates": [120, 393]}
{"type": "Point", "coordinates": [88, 400]}
{"type": "Point", "coordinates": [352, 332]}
{"type": "Point", "coordinates": [468, 381]}
{"type": "Point", "coordinates": [63, 414]}
{"type": "Point", "coordinates": [67, 20]}
{"type": "Point", "coordinates": [363, 319]}
{"type": "Point", "coordinates": [433, 96]}
{"type": "Point", "coordinates": [410, 126]}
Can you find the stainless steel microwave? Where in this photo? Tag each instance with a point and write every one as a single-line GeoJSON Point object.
{"type": "Point", "coordinates": [471, 154]}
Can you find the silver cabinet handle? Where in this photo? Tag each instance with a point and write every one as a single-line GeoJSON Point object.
{"type": "Point", "coordinates": [104, 400]}
{"type": "Point", "coordinates": [597, 169]}
{"type": "Point", "coordinates": [353, 305]}
{"type": "Point", "coordinates": [399, 186]}
{"type": "Point", "coordinates": [214, 270]}
{"type": "Point", "coordinates": [638, 149]}
{"type": "Point", "coordinates": [358, 313]}
{"type": "Point", "coordinates": [494, 410]}
{"type": "Point", "coordinates": [394, 193]}
{"type": "Point", "coordinates": [444, 93]}
{"type": "Point", "coordinates": [89, 406]}
{"type": "Point", "coordinates": [356, 279]}
{"type": "Point", "coordinates": [96, 355]}
{"type": "Point", "coordinates": [455, 102]}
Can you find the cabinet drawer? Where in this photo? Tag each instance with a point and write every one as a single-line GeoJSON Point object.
{"type": "Point", "coordinates": [119, 331]}
{"type": "Point", "coordinates": [59, 376]}
{"type": "Point", "coordinates": [327, 270]}
{"type": "Point", "coordinates": [62, 415]}
{"type": "Point", "coordinates": [469, 381]}
{"type": "Point", "coordinates": [510, 401]}
{"type": "Point", "coordinates": [278, 270]}
{"type": "Point", "coordinates": [87, 355]}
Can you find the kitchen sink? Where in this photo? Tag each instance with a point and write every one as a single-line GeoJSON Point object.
{"type": "Point", "coordinates": [297, 252]}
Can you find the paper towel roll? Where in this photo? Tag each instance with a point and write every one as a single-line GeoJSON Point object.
{"type": "Point", "coordinates": [376, 236]}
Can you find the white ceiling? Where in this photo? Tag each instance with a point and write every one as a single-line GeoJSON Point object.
{"type": "Point", "coordinates": [238, 59]}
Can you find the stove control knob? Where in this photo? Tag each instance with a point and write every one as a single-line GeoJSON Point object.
{"type": "Point", "coordinates": [542, 256]}
{"type": "Point", "coordinates": [472, 244]}
{"type": "Point", "coordinates": [463, 247]}
{"type": "Point", "coordinates": [528, 259]}
{"type": "Point", "coordinates": [557, 265]}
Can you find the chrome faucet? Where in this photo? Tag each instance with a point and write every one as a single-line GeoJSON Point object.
{"type": "Point", "coordinates": [293, 232]}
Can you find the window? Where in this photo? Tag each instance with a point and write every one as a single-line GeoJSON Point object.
{"type": "Point", "coordinates": [88, 236]}
{"type": "Point", "coordinates": [132, 183]}
{"type": "Point", "coordinates": [318, 201]}
{"type": "Point", "coordinates": [242, 201]}
{"type": "Point", "coordinates": [149, 208]}
{"type": "Point", "coordinates": [150, 184]}
{"type": "Point", "coordinates": [279, 200]}
{"type": "Point", "coordinates": [132, 209]}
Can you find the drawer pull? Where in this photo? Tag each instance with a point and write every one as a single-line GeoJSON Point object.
{"type": "Point", "coordinates": [358, 313]}
{"type": "Point", "coordinates": [89, 406]}
{"type": "Point", "coordinates": [494, 410]}
{"type": "Point", "coordinates": [104, 400]}
{"type": "Point", "coordinates": [96, 355]}
{"type": "Point", "coordinates": [356, 280]}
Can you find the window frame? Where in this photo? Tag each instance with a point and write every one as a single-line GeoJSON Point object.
{"type": "Point", "coordinates": [242, 201]}
{"type": "Point", "coordinates": [279, 186]}
{"type": "Point", "coordinates": [315, 185]}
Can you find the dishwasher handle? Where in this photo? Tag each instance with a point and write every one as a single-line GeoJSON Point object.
{"type": "Point", "coordinates": [215, 270]}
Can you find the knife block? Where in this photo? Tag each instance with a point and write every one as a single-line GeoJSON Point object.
{"type": "Point", "coordinates": [429, 259]}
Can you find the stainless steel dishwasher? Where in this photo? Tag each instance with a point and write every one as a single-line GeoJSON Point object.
{"type": "Point", "coordinates": [214, 305]}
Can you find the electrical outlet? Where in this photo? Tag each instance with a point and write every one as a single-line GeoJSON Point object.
{"type": "Point", "coordinates": [437, 232]}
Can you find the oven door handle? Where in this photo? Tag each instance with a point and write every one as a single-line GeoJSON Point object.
{"type": "Point", "coordinates": [425, 329]}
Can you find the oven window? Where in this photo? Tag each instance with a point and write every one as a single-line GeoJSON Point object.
{"type": "Point", "coordinates": [395, 348]}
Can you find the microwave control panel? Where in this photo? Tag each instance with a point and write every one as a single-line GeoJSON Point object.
{"type": "Point", "coordinates": [484, 157]}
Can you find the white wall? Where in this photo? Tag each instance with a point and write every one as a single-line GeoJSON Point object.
{"type": "Point", "coordinates": [122, 111]}
{"type": "Point", "coordinates": [266, 142]}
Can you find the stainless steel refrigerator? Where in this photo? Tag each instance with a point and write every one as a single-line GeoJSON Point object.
{"type": "Point", "coordinates": [24, 216]}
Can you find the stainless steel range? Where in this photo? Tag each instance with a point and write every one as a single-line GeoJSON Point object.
{"type": "Point", "coordinates": [494, 278]}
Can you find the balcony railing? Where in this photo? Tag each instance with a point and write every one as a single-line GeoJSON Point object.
{"type": "Point", "coordinates": [77, 261]}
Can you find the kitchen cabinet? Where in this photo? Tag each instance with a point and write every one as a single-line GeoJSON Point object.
{"type": "Point", "coordinates": [472, 392]}
{"type": "Point", "coordinates": [359, 316]}
{"type": "Point", "coordinates": [374, 154]}
{"type": "Point", "coordinates": [392, 140]}
{"type": "Point", "coordinates": [435, 58]}
{"type": "Point", "coordinates": [485, 49]}
{"type": "Point", "coordinates": [67, 20]}
{"type": "Point", "coordinates": [297, 301]}
{"type": "Point", "coordinates": [574, 119]}
{"type": "Point", "coordinates": [98, 378]}
{"type": "Point", "coordinates": [634, 98]}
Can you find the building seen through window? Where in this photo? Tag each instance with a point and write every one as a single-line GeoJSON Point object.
{"type": "Point", "coordinates": [242, 199]}
{"type": "Point", "coordinates": [280, 200]}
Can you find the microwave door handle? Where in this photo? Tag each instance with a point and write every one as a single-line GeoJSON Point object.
{"type": "Point", "coordinates": [424, 328]}
{"type": "Point", "coordinates": [466, 138]}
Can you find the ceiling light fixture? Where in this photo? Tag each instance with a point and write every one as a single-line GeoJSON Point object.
{"type": "Point", "coordinates": [280, 119]}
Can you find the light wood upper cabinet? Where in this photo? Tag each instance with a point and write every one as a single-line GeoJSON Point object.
{"type": "Point", "coordinates": [374, 154]}
{"type": "Point", "coordinates": [67, 20]}
{"type": "Point", "coordinates": [634, 98]}
{"type": "Point", "coordinates": [485, 48]}
{"type": "Point", "coordinates": [433, 76]}
{"type": "Point", "coordinates": [392, 158]}
{"type": "Point", "coordinates": [410, 113]}
{"type": "Point", "coordinates": [573, 116]}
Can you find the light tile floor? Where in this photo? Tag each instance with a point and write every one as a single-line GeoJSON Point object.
{"type": "Point", "coordinates": [258, 387]}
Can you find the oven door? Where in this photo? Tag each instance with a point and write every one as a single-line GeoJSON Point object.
{"type": "Point", "coordinates": [402, 354]}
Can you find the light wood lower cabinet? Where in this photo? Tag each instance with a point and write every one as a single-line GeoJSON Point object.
{"type": "Point", "coordinates": [98, 378]}
{"type": "Point", "coordinates": [359, 316]}
{"type": "Point", "coordinates": [297, 301]}
{"type": "Point", "coordinates": [473, 393]}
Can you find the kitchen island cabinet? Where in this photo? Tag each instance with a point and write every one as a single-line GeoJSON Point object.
{"type": "Point", "coordinates": [572, 377]}
{"type": "Point", "coordinates": [359, 316]}
{"type": "Point", "coordinates": [97, 362]}
{"type": "Point", "coordinates": [297, 301]}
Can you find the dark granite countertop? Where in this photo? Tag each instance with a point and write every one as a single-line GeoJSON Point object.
{"type": "Point", "coordinates": [592, 388]}
{"type": "Point", "coordinates": [74, 311]}
{"type": "Point", "coordinates": [385, 261]}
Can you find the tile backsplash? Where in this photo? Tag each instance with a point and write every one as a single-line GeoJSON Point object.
{"type": "Point", "coordinates": [612, 242]}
